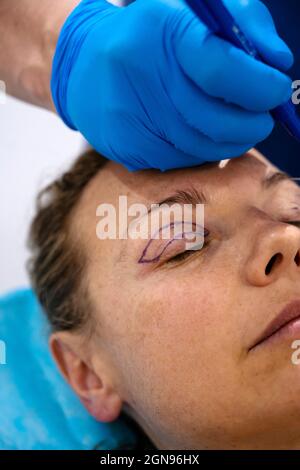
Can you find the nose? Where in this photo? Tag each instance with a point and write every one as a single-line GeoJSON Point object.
{"type": "Point", "coordinates": [275, 253]}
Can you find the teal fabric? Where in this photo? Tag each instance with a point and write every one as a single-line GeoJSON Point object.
{"type": "Point", "coordinates": [38, 410]}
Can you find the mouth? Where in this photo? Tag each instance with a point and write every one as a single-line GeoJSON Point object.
{"type": "Point", "coordinates": [284, 326]}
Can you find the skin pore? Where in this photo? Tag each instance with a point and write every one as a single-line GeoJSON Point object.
{"type": "Point", "coordinates": [173, 341]}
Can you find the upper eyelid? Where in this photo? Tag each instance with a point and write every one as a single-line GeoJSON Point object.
{"type": "Point", "coordinates": [143, 259]}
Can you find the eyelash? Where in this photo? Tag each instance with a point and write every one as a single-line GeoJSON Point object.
{"type": "Point", "coordinates": [295, 222]}
{"type": "Point", "coordinates": [185, 254]}
{"type": "Point", "coordinates": [180, 257]}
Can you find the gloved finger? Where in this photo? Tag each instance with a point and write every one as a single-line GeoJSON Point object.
{"type": "Point", "coordinates": [202, 148]}
{"type": "Point", "coordinates": [257, 23]}
{"type": "Point", "coordinates": [81, 20]}
{"type": "Point", "coordinates": [145, 150]}
{"type": "Point", "coordinates": [185, 147]}
{"type": "Point", "coordinates": [223, 71]}
{"type": "Point", "coordinates": [220, 121]}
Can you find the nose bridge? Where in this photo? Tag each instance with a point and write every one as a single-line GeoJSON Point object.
{"type": "Point", "coordinates": [275, 251]}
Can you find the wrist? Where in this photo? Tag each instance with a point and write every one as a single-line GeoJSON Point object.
{"type": "Point", "coordinates": [79, 25]}
{"type": "Point", "coordinates": [30, 30]}
{"type": "Point", "coordinates": [37, 78]}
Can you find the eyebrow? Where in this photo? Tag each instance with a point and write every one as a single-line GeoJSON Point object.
{"type": "Point", "coordinates": [183, 196]}
{"type": "Point", "coordinates": [194, 196]}
{"type": "Point", "coordinates": [275, 178]}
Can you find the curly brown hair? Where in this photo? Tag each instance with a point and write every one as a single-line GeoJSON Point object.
{"type": "Point", "coordinates": [57, 261]}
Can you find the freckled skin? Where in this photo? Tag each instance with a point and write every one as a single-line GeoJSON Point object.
{"type": "Point", "coordinates": [178, 335]}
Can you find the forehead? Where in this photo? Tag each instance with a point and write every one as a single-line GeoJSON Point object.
{"type": "Point", "coordinates": [150, 186]}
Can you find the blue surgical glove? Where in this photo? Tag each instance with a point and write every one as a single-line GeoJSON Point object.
{"type": "Point", "coordinates": [150, 86]}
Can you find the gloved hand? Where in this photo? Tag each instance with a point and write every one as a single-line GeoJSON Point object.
{"type": "Point", "coordinates": [149, 85]}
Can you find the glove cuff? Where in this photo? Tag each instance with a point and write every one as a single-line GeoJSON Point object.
{"type": "Point", "coordinates": [71, 38]}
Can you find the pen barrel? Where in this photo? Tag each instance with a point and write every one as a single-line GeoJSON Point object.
{"type": "Point", "coordinates": [286, 114]}
{"type": "Point", "coordinates": [228, 27]}
{"type": "Point", "coordinates": [216, 17]}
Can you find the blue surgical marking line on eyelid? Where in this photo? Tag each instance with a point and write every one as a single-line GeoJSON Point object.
{"type": "Point", "coordinates": [172, 224]}
{"type": "Point", "coordinates": [143, 260]}
{"type": "Point", "coordinates": [157, 258]}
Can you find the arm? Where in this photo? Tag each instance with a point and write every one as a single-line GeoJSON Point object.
{"type": "Point", "coordinates": [147, 85]}
{"type": "Point", "coordinates": [29, 32]}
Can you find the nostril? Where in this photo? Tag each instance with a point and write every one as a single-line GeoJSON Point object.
{"type": "Point", "coordinates": [275, 260]}
{"type": "Point", "coordinates": [297, 259]}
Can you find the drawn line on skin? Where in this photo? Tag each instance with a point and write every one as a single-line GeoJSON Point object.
{"type": "Point", "coordinates": [143, 260]}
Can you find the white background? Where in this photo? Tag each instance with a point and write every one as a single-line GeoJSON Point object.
{"type": "Point", "coordinates": [35, 146]}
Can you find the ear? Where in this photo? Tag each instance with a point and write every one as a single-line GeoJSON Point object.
{"type": "Point", "coordinates": [94, 389]}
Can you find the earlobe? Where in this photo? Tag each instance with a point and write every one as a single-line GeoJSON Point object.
{"type": "Point", "coordinates": [103, 408]}
{"type": "Point", "coordinates": [95, 391]}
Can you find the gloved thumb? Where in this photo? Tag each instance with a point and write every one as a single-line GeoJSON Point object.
{"type": "Point", "coordinates": [74, 31]}
{"type": "Point", "coordinates": [257, 23]}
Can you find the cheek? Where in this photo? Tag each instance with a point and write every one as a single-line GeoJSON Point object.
{"type": "Point", "coordinates": [181, 322]}
{"type": "Point", "coordinates": [177, 334]}
{"type": "Point", "coordinates": [176, 320]}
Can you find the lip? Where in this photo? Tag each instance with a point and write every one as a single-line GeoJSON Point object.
{"type": "Point", "coordinates": [284, 325]}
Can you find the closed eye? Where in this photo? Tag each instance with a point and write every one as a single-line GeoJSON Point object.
{"type": "Point", "coordinates": [149, 257]}
{"type": "Point", "coordinates": [184, 255]}
{"type": "Point", "coordinates": [181, 256]}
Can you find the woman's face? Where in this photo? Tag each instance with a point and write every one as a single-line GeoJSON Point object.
{"type": "Point", "coordinates": [185, 334]}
